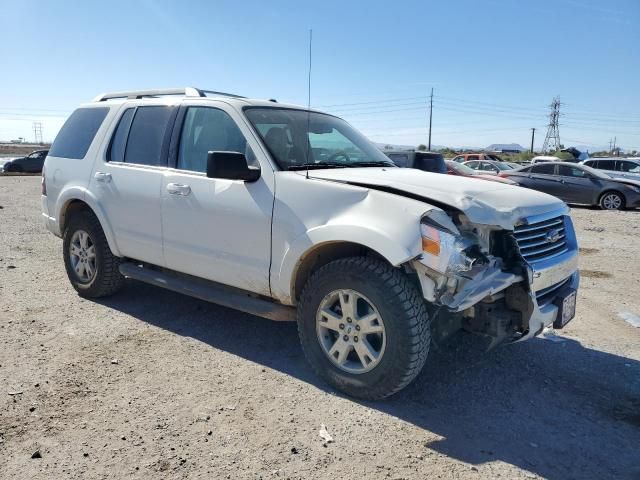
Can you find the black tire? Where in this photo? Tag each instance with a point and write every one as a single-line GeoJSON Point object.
{"type": "Point", "coordinates": [107, 278]}
{"type": "Point", "coordinates": [611, 197]}
{"type": "Point", "coordinates": [404, 313]}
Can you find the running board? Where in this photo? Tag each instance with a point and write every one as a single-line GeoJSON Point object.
{"type": "Point", "coordinates": [210, 292]}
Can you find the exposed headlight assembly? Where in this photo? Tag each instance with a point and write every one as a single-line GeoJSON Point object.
{"type": "Point", "coordinates": [443, 248]}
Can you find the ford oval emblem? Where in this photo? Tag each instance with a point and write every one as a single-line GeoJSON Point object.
{"type": "Point", "coordinates": [552, 236]}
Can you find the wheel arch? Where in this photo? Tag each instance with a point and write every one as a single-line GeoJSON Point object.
{"type": "Point", "coordinates": [74, 205]}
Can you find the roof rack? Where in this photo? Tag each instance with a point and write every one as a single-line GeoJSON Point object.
{"type": "Point", "coordinates": [186, 91]}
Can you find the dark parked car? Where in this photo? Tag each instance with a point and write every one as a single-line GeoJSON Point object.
{"type": "Point", "coordinates": [427, 161]}
{"type": "Point", "coordinates": [32, 163]}
{"type": "Point", "coordinates": [616, 167]}
{"type": "Point", "coordinates": [576, 183]}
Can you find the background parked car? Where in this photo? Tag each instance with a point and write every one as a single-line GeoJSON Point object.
{"type": "Point", "coordinates": [544, 158]}
{"type": "Point", "coordinates": [32, 163]}
{"type": "Point", "coordinates": [468, 157]}
{"type": "Point", "coordinates": [575, 183]}
{"type": "Point", "coordinates": [427, 161]}
{"type": "Point", "coordinates": [616, 167]}
{"type": "Point", "coordinates": [454, 168]}
{"type": "Point", "coordinates": [489, 167]}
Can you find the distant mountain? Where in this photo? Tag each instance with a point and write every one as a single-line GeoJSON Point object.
{"type": "Point", "coordinates": [505, 147]}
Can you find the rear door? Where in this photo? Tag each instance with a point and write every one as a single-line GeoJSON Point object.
{"type": "Point", "coordinates": [543, 178]}
{"type": "Point", "coordinates": [128, 180]}
{"type": "Point", "coordinates": [216, 228]}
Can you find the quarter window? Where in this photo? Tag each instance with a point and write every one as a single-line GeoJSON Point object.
{"type": "Point", "coordinates": [207, 130]}
{"type": "Point", "coordinates": [77, 133]}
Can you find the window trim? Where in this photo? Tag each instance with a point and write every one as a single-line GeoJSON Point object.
{"type": "Point", "coordinates": [164, 147]}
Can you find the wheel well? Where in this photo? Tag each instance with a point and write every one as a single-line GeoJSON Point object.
{"type": "Point", "coordinates": [72, 208]}
{"type": "Point", "coordinates": [624, 199]}
{"type": "Point", "coordinates": [323, 254]}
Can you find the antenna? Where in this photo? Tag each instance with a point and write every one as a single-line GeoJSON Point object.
{"type": "Point", "coordinates": [309, 103]}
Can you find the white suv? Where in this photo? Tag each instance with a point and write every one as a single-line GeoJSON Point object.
{"type": "Point", "coordinates": [291, 214]}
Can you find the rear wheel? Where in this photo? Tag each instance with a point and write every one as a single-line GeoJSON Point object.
{"type": "Point", "coordinates": [612, 201]}
{"type": "Point", "coordinates": [91, 267]}
{"type": "Point", "coordinates": [363, 327]}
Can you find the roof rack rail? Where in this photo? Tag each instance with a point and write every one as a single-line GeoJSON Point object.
{"type": "Point", "coordinates": [186, 91]}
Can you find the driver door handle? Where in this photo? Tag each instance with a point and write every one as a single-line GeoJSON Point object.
{"type": "Point", "coordinates": [178, 189]}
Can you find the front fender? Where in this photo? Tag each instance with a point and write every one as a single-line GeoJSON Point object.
{"type": "Point", "coordinates": [70, 194]}
{"type": "Point", "coordinates": [402, 247]}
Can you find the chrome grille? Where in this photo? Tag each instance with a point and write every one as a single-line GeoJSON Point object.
{"type": "Point", "coordinates": [541, 240]}
{"type": "Point", "coordinates": [546, 295]}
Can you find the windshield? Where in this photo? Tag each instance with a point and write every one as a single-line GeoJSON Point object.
{"type": "Point", "coordinates": [461, 169]}
{"type": "Point", "coordinates": [301, 139]}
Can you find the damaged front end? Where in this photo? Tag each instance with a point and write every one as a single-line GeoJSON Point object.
{"type": "Point", "coordinates": [506, 284]}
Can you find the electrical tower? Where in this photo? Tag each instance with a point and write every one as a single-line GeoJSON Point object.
{"type": "Point", "coordinates": [37, 132]}
{"type": "Point", "coordinates": [552, 140]}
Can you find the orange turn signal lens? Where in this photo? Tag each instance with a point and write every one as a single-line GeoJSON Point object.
{"type": "Point", "coordinates": [430, 246]}
{"type": "Point", "coordinates": [430, 239]}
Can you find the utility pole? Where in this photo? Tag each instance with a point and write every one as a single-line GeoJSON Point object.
{"type": "Point", "coordinates": [610, 147]}
{"type": "Point", "coordinates": [614, 145]}
{"type": "Point", "coordinates": [533, 135]}
{"type": "Point", "coordinates": [430, 118]}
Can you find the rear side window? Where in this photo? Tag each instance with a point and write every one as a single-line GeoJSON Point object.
{"type": "Point", "coordinates": [77, 133]}
{"type": "Point", "coordinates": [146, 135]}
{"type": "Point", "coordinates": [607, 164]}
{"type": "Point", "coordinates": [119, 141]}
{"type": "Point", "coordinates": [543, 169]}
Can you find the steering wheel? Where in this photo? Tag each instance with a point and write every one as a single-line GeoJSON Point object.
{"type": "Point", "coordinates": [339, 154]}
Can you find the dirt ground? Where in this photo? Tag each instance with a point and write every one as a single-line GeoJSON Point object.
{"type": "Point", "coordinates": [152, 384]}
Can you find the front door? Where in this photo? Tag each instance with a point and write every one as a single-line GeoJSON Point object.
{"type": "Point", "coordinates": [578, 185]}
{"type": "Point", "coordinates": [214, 228]}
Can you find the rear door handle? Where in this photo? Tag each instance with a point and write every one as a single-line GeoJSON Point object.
{"type": "Point", "coordinates": [102, 177]}
{"type": "Point", "coordinates": [178, 189]}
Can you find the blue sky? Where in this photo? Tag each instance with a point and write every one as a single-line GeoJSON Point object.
{"type": "Point", "coordinates": [495, 65]}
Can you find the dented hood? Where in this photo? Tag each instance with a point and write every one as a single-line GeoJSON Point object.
{"type": "Point", "coordinates": [489, 203]}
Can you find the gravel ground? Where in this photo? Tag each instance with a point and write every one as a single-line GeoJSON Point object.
{"type": "Point", "coordinates": [152, 384]}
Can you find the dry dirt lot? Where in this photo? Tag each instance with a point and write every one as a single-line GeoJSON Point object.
{"type": "Point", "coordinates": [151, 384]}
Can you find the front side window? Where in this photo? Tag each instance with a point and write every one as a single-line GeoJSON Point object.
{"type": "Point", "coordinates": [299, 139]}
{"type": "Point", "coordinates": [207, 129]}
{"type": "Point", "coordinates": [568, 171]}
{"type": "Point", "coordinates": [77, 133]}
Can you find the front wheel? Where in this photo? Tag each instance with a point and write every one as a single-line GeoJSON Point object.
{"type": "Point", "coordinates": [612, 201]}
{"type": "Point", "coordinates": [364, 327]}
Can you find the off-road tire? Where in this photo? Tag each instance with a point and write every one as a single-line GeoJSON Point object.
{"type": "Point", "coordinates": [405, 317]}
{"type": "Point", "coordinates": [107, 279]}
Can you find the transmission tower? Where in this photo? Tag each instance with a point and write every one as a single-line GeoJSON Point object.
{"type": "Point", "coordinates": [552, 140]}
{"type": "Point", "coordinates": [37, 132]}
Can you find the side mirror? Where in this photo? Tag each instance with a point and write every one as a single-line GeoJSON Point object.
{"type": "Point", "coordinates": [231, 166]}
